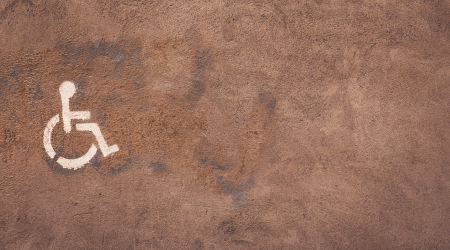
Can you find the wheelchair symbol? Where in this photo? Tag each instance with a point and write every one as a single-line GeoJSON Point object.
{"type": "Point", "coordinates": [67, 90]}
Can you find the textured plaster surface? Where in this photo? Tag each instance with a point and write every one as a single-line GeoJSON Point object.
{"type": "Point", "coordinates": [241, 124]}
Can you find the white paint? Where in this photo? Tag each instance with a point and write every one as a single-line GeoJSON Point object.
{"type": "Point", "coordinates": [48, 136]}
{"type": "Point", "coordinates": [67, 90]}
{"type": "Point", "coordinates": [94, 128]}
{"type": "Point", "coordinates": [78, 162]}
{"type": "Point", "coordinates": [65, 163]}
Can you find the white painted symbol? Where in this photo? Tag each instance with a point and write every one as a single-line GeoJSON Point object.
{"type": "Point", "coordinates": [67, 90]}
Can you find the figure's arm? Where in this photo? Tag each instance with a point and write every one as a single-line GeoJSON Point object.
{"type": "Point", "coordinates": [81, 115]}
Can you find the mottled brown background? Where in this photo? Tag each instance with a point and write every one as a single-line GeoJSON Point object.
{"type": "Point", "coordinates": [241, 124]}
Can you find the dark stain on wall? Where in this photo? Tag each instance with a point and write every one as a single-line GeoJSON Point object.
{"type": "Point", "coordinates": [138, 83]}
{"type": "Point", "coordinates": [114, 51]}
{"type": "Point", "coordinates": [212, 163]}
{"type": "Point", "coordinates": [15, 85]}
{"type": "Point", "coordinates": [237, 190]}
{"type": "Point", "coordinates": [96, 161]}
{"type": "Point", "coordinates": [3, 85]}
{"type": "Point", "coordinates": [118, 53]}
{"type": "Point", "coordinates": [8, 143]}
{"type": "Point", "coordinates": [158, 166]}
{"type": "Point", "coordinates": [198, 77]}
{"type": "Point", "coordinates": [269, 101]}
{"type": "Point", "coordinates": [36, 92]}
{"type": "Point", "coordinates": [11, 7]}
{"type": "Point", "coordinates": [71, 52]}
{"type": "Point", "coordinates": [201, 63]}
{"type": "Point", "coordinates": [119, 168]}
{"type": "Point", "coordinates": [229, 227]}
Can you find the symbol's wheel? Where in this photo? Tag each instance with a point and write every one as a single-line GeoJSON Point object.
{"type": "Point", "coordinates": [65, 163]}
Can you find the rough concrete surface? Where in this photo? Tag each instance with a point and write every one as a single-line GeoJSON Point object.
{"type": "Point", "coordinates": [302, 124]}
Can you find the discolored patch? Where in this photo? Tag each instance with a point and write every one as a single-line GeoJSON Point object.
{"type": "Point", "coordinates": [201, 63]}
{"type": "Point", "coordinates": [12, 6]}
{"type": "Point", "coordinates": [158, 166]}
{"type": "Point", "coordinates": [238, 191]}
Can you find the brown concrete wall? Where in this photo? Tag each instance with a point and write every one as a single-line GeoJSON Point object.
{"type": "Point", "coordinates": [240, 124]}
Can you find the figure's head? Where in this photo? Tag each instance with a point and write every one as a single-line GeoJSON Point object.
{"type": "Point", "coordinates": [67, 89]}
